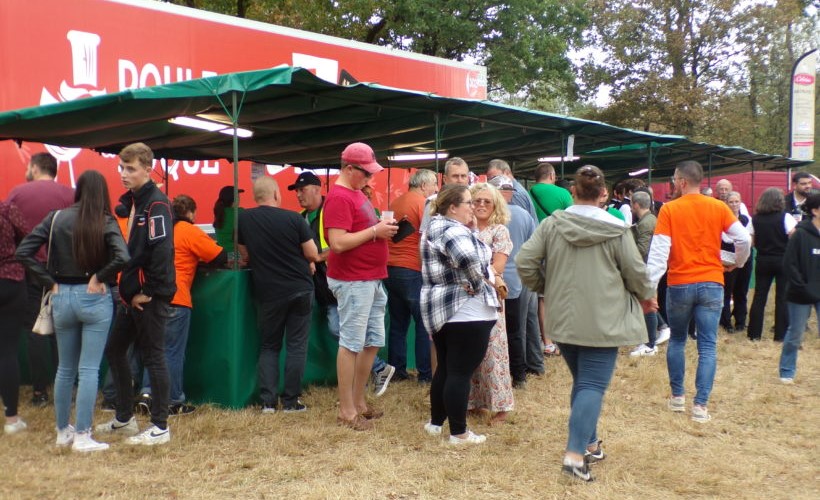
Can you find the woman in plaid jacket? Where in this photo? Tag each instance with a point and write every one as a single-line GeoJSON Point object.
{"type": "Point", "coordinates": [458, 306]}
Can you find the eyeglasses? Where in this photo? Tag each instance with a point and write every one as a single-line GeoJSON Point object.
{"type": "Point", "coordinates": [482, 201]}
{"type": "Point", "coordinates": [360, 169]}
{"type": "Point", "coordinates": [468, 202]}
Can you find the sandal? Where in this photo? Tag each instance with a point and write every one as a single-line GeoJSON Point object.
{"type": "Point", "coordinates": [372, 413]}
{"type": "Point", "coordinates": [358, 423]}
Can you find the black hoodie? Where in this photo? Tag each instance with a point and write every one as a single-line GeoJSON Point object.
{"type": "Point", "coordinates": [802, 264]}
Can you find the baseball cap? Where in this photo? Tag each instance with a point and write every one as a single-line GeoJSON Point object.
{"type": "Point", "coordinates": [226, 194]}
{"type": "Point", "coordinates": [305, 179]}
{"type": "Point", "coordinates": [361, 155]}
{"type": "Point", "coordinates": [502, 182]}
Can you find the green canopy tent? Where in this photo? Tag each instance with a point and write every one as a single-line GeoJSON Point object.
{"type": "Point", "coordinates": [660, 158]}
{"type": "Point", "coordinates": [299, 119]}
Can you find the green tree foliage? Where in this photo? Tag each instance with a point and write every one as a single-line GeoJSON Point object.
{"type": "Point", "coordinates": [523, 43]}
{"type": "Point", "coordinates": [713, 70]}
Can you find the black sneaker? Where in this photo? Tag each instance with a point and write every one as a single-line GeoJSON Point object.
{"type": "Point", "coordinates": [520, 384]}
{"type": "Point", "coordinates": [180, 409]}
{"type": "Point", "coordinates": [39, 399]}
{"type": "Point", "coordinates": [143, 404]}
{"type": "Point", "coordinates": [296, 407]}
{"type": "Point", "coordinates": [592, 457]}
{"type": "Point", "coordinates": [581, 473]}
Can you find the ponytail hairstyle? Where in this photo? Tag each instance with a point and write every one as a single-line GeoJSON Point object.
{"type": "Point", "coordinates": [88, 236]}
{"type": "Point", "coordinates": [589, 183]}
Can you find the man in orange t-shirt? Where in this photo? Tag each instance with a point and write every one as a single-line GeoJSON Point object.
{"type": "Point", "coordinates": [403, 281]}
{"type": "Point", "coordinates": [688, 236]}
{"type": "Point", "coordinates": [191, 246]}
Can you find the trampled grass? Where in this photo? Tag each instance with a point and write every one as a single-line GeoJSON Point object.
{"type": "Point", "coordinates": [761, 443]}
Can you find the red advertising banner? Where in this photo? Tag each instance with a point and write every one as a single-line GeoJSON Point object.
{"type": "Point", "coordinates": [55, 51]}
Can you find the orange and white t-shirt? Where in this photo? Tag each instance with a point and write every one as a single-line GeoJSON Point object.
{"type": "Point", "coordinates": [693, 225]}
{"type": "Point", "coordinates": [191, 245]}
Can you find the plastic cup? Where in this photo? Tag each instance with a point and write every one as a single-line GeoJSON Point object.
{"type": "Point", "coordinates": [387, 215]}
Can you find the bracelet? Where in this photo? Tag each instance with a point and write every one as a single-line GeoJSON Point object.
{"type": "Point", "coordinates": [374, 232]}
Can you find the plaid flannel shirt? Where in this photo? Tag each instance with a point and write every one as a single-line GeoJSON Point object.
{"type": "Point", "coordinates": [453, 261]}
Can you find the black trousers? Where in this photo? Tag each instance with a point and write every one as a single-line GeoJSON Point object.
{"type": "Point", "coordinates": [146, 329]}
{"type": "Point", "coordinates": [42, 349]}
{"type": "Point", "coordinates": [736, 286]}
{"type": "Point", "coordinates": [768, 269]}
{"type": "Point", "coordinates": [516, 340]}
{"type": "Point", "coordinates": [460, 347]}
{"type": "Point", "coordinates": [285, 322]}
{"type": "Point", "coordinates": [12, 302]}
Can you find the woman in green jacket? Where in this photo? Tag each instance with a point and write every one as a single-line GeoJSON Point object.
{"type": "Point", "coordinates": [587, 265]}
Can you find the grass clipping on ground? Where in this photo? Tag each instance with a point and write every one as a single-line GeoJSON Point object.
{"type": "Point", "coordinates": [760, 444]}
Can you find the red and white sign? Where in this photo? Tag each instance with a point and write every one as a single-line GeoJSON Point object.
{"type": "Point", "coordinates": [804, 79]}
{"type": "Point", "coordinates": [91, 47]}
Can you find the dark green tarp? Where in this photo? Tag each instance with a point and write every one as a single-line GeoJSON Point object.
{"type": "Point", "coordinates": [299, 119]}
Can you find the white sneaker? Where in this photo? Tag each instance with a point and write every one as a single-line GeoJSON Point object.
{"type": "Point", "coordinates": [677, 404]}
{"type": "Point", "coordinates": [84, 444]}
{"type": "Point", "coordinates": [382, 379]}
{"type": "Point", "coordinates": [644, 350]}
{"type": "Point", "coordinates": [786, 380]}
{"type": "Point", "coordinates": [151, 436]}
{"type": "Point", "coordinates": [115, 426]}
{"type": "Point", "coordinates": [470, 438]}
{"type": "Point", "coordinates": [433, 430]}
{"type": "Point", "coordinates": [65, 436]}
{"type": "Point", "coordinates": [663, 335]}
{"type": "Point", "coordinates": [15, 427]}
{"type": "Point", "coordinates": [700, 414]}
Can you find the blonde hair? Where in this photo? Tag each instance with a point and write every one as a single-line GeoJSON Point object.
{"type": "Point", "coordinates": [501, 212]}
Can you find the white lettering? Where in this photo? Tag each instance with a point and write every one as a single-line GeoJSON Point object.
{"type": "Point", "coordinates": [190, 168]}
{"type": "Point", "coordinates": [208, 169]}
{"type": "Point", "coordinates": [128, 74]}
{"type": "Point", "coordinates": [149, 70]}
{"type": "Point", "coordinates": [131, 76]}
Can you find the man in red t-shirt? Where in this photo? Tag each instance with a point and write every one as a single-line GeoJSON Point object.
{"type": "Point", "coordinates": [355, 267]}
{"type": "Point", "coordinates": [39, 196]}
{"type": "Point", "coordinates": [688, 236]}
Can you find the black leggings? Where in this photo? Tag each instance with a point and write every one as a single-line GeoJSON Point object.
{"type": "Point", "coordinates": [460, 347]}
{"type": "Point", "coordinates": [12, 303]}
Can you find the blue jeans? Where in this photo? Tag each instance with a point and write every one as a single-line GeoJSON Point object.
{"type": "Point", "coordinates": [651, 320]}
{"type": "Point", "coordinates": [591, 369]}
{"type": "Point", "coordinates": [798, 317]}
{"type": "Point", "coordinates": [176, 340]}
{"type": "Point", "coordinates": [81, 324]}
{"type": "Point", "coordinates": [333, 328]}
{"type": "Point", "coordinates": [704, 302]}
{"type": "Point", "coordinates": [403, 295]}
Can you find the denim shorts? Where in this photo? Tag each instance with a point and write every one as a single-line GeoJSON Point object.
{"type": "Point", "coordinates": [361, 313]}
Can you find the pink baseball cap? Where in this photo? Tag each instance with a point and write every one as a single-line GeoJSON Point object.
{"type": "Point", "coordinates": [361, 155]}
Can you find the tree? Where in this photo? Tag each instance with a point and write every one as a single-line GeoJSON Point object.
{"type": "Point", "coordinates": [663, 59]}
{"type": "Point", "coordinates": [713, 70]}
{"type": "Point", "coordinates": [523, 43]}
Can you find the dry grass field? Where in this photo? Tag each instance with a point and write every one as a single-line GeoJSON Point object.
{"type": "Point", "coordinates": [761, 443]}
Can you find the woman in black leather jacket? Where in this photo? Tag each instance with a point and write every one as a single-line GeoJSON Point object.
{"type": "Point", "coordinates": [87, 251]}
